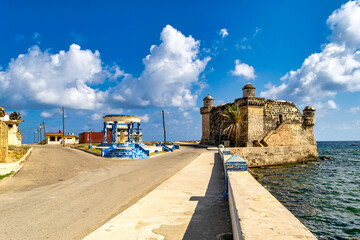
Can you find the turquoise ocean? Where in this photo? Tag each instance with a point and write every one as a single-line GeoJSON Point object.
{"type": "Point", "coordinates": [324, 195]}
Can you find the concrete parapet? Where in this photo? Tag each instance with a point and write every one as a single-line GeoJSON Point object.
{"type": "Point", "coordinates": [255, 213]}
{"type": "Point", "coordinates": [276, 155]}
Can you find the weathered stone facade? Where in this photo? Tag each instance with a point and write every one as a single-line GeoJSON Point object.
{"type": "Point", "coordinates": [265, 123]}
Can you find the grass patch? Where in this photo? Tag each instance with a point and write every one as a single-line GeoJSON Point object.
{"type": "Point", "coordinates": [90, 149]}
{"type": "Point", "coordinates": [16, 153]}
{"type": "Point", "coordinates": [6, 175]}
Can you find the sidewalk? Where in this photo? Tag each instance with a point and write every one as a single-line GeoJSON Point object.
{"type": "Point", "coordinates": [6, 168]}
{"type": "Point", "coordinates": [188, 205]}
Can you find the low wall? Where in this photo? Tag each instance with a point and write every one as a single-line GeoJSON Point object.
{"type": "Point", "coordinates": [153, 148]}
{"type": "Point", "coordinates": [267, 156]}
{"type": "Point", "coordinates": [255, 213]}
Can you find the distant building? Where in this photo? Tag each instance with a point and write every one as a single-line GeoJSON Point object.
{"type": "Point", "coordinates": [57, 138]}
{"type": "Point", "coordinates": [94, 137]}
{"type": "Point", "coordinates": [14, 135]}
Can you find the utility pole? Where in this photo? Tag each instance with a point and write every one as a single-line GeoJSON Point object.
{"type": "Point", "coordinates": [44, 132]}
{"type": "Point", "coordinates": [63, 126]}
{"type": "Point", "coordinates": [40, 134]}
{"type": "Point", "coordinates": [34, 137]}
{"type": "Point", "coordinates": [164, 126]}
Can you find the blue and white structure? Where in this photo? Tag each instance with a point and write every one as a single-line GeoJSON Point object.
{"type": "Point", "coordinates": [126, 137]}
{"type": "Point", "coordinates": [124, 128]}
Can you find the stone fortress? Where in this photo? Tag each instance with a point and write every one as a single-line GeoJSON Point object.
{"type": "Point", "coordinates": [271, 132]}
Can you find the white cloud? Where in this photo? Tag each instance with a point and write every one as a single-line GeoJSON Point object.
{"type": "Point", "coordinates": [68, 78]}
{"type": "Point", "coordinates": [331, 104]}
{"type": "Point", "coordinates": [243, 47]}
{"type": "Point", "coordinates": [96, 116]}
{"type": "Point", "coordinates": [257, 30]}
{"type": "Point", "coordinates": [51, 113]}
{"type": "Point", "coordinates": [345, 24]}
{"type": "Point", "coordinates": [186, 114]}
{"type": "Point", "coordinates": [336, 68]}
{"type": "Point", "coordinates": [85, 128]}
{"type": "Point", "coordinates": [243, 69]}
{"type": "Point", "coordinates": [37, 37]}
{"type": "Point", "coordinates": [355, 109]}
{"type": "Point", "coordinates": [224, 33]}
{"type": "Point", "coordinates": [354, 125]}
{"type": "Point", "coordinates": [145, 118]}
{"type": "Point", "coordinates": [46, 114]}
{"type": "Point", "coordinates": [171, 72]}
{"type": "Point", "coordinates": [60, 79]}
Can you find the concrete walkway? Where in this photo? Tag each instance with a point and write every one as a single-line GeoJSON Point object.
{"type": "Point", "coordinates": [188, 205]}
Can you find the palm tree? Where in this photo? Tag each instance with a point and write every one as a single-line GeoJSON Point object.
{"type": "Point", "coordinates": [15, 116]}
{"type": "Point", "coordinates": [233, 118]}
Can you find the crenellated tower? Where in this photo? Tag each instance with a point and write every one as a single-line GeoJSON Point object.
{"type": "Point", "coordinates": [248, 90]}
{"type": "Point", "coordinates": [252, 109]}
{"type": "Point", "coordinates": [309, 116]}
{"type": "Point", "coordinates": [208, 102]}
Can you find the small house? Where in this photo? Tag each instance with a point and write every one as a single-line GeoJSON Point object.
{"type": "Point", "coordinates": [57, 138]}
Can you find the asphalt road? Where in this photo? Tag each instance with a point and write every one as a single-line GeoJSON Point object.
{"type": "Point", "coordinates": [63, 193]}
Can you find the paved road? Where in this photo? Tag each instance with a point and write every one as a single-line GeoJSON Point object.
{"type": "Point", "coordinates": [63, 193]}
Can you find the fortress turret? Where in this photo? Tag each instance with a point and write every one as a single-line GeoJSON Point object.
{"type": "Point", "coordinates": [205, 112]}
{"type": "Point", "coordinates": [208, 101]}
{"type": "Point", "coordinates": [248, 90]}
{"type": "Point", "coordinates": [309, 115]}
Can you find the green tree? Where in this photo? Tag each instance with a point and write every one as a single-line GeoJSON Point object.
{"type": "Point", "coordinates": [15, 116]}
{"type": "Point", "coordinates": [233, 117]}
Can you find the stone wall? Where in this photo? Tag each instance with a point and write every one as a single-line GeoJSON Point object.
{"type": "Point", "coordinates": [255, 116]}
{"type": "Point", "coordinates": [217, 124]}
{"type": "Point", "coordinates": [288, 135]}
{"type": "Point", "coordinates": [205, 128]}
{"type": "Point", "coordinates": [276, 155]}
{"type": "Point", "coordinates": [273, 108]}
{"type": "Point", "coordinates": [3, 142]}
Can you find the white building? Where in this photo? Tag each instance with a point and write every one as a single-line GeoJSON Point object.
{"type": "Point", "coordinates": [14, 135]}
{"type": "Point", "coordinates": [57, 138]}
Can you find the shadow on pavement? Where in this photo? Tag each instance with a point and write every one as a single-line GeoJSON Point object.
{"type": "Point", "coordinates": [211, 217]}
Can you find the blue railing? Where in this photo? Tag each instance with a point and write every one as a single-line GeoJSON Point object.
{"type": "Point", "coordinates": [105, 151]}
{"type": "Point", "coordinates": [147, 152]}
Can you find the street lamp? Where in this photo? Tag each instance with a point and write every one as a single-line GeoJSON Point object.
{"type": "Point", "coordinates": [40, 134]}
{"type": "Point", "coordinates": [90, 146]}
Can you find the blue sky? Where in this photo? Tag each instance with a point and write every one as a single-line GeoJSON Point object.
{"type": "Point", "coordinates": [139, 57]}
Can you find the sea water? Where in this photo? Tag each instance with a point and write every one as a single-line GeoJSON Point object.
{"type": "Point", "coordinates": [324, 195]}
